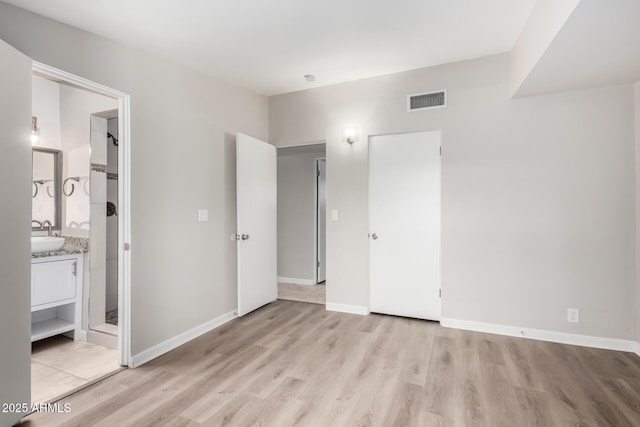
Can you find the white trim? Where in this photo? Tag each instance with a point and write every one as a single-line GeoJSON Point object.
{"type": "Point", "coordinates": [637, 349]}
{"type": "Point", "coordinates": [345, 308]}
{"type": "Point", "coordinates": [315, 220]}
{"type": "Point", "coordinates": [103, 339]}
{"type": "Point", "coordinates": [316, 253]}
{"type": "Point", "coordinates": [543, 335]}
{"type": "Point", "coordinates": [295, 281]}
{"type": "Point", "coordinates": [124, 197]}
{"type": "Point", "coordinates": [178, 340]}
{"type": "Point", "coordinates": [303, 144]}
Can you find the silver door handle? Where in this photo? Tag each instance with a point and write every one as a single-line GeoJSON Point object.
{"type": "Point", "coordinates": [245, 237]}
{"type": "Point", "coordinates": [374, 236]}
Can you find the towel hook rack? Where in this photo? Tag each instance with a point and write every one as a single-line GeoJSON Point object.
{"type": "Point", "coordinates": [73, 187]}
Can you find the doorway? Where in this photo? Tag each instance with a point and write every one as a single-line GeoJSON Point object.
{"type": "Point", "coordinates": [404, 224]}
{"type": "Point", "coordinates": [302, 223]}
{"type": "Point", "coordinates": [79, 112]}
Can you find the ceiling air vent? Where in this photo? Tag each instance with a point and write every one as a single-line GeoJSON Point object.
{"type": "Point", "coordinates": [427, 101]}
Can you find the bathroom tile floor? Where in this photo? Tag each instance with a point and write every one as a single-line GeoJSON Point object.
{"type": "Point", "coordinates": [60, 365]}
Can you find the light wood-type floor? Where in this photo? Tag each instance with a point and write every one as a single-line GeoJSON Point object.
{"type": "Point", "coordinates": [315, 294]}
{"type": "Point", "coordinates": [295, 364]}
{"type": "Point", "coordinates": [60, 365]}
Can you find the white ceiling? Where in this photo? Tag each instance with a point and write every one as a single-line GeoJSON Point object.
{"type": "Point", "coordinates": [269, 45]}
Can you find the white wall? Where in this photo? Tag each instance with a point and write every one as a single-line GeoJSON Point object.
{"type": "Point", "coordinates": [63, 118]}
{"type": "Point", "coordinates": [544, 23]}
{"type": "Point", "coordinates": [15, 229]}
{"type": "Point", "coordinates": [76, 107]}
{"type": "Point", "coordinates": [297, 211]}
{"type": "Point", "coordinates": [537, 193]}
{"type": "Point", "coordinates": [183, 159]}
{"type": "Point", "coordinates": [45, 105]}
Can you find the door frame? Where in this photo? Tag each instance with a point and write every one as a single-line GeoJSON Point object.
{"type": "Point", "coordinates": [315, 200]}
{"type": "Point", "coordinates": [124, 197]}
{"type": "Point", "coordinates": [315, 219]}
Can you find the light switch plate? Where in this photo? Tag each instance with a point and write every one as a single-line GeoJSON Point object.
{"type": "Point", "coordinates": [334, 215]}
{"type": "Point", "coordinates": [203, 215]}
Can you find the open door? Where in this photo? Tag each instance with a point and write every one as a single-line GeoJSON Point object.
{"type": "Point", "coordinates": [257, 222]}
{"type": "Point", "coordinates": [15, 232]}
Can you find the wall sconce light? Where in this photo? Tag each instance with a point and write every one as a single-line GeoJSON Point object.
{"type": "Point", "coordinates": [351, 134]}
{"type": "Point", "coordinates": [35, 131]}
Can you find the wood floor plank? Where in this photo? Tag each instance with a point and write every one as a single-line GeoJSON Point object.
{"type": "Point", "coordinates": [498, 388]}
{"type": "Point", "coordinates": [518, 359]}
{"type": "Point", "coordinates": [598, 403]}
{"type": "Point", "coordinates": [439, 394]}
{"type": "Point", "coordinates": [418, 355]}
{"type": "Point", "coordinates": [405, 408]}
{"type": "Point", "coordinates": [534, 407]}
{"type": "Point", "coordinates": [278, 407]}
{"type": "Point", "coordinates": [625, 398]}
{"type": "Point", "coordinates": [296, 364]}
{"type": "Point", "coordinates": [374, 402]}
{"type": "Point", "coordinates": [360, 375]}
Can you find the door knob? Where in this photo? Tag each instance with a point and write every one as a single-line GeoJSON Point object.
{"type": "Point", "coordinates": [374, 236]}
{"type": "Point", "coordinates": [245, 237]}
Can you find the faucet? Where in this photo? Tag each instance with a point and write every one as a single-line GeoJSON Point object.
{"type": "Point", "coordinates": [48, 224]}
{"type": "Point", "coordinates": [43, 224]}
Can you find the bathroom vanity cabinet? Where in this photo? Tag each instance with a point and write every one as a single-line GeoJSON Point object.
{"type": "Point", "coordinates": [56, 295]}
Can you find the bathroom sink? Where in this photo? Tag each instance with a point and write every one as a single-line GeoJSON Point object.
{"type": "Point", "coordinates": [46, 243]}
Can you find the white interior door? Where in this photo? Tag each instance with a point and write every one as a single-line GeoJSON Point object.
{"type": "Point", "coordinates": [321, 216]}
{"type": "Point", "coordinates": [257, 222]}
{"type": "Point", "coordinates": [404, 221]}
{"type": "Point", "coordinates": [15, 230]}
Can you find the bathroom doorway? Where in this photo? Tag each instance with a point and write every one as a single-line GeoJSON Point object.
{"type": "Point", "coordinates": [88, 126]}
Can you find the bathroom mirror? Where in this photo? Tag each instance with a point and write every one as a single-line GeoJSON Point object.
{"type": "Point", "coordinates": [46, 187]}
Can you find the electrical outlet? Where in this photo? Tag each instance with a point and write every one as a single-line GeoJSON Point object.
{"type": "Point", "coordinates": [573, 315]}
{"type": "Point", "coordinates": [203, 215]}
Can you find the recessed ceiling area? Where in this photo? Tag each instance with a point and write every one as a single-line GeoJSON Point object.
{"type": "Point", "coordinates": [269, 46]}
{"type": "Point", "coordinates": [598, 45]}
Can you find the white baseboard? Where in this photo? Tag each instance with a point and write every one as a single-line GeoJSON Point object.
{"type": "Point", "coordinates": [102, 338]}
{"type": "Point", "coordinates": [543, 335]}
{"type": "Point", "coordinates": [637, 350]}
{"type": "Point", "coordinates": [178, 340]}
{"type": "Point", "coordinates": [345, 308]}
{"type": "Point", "coordinates": [82, 335]}
{"type": "Point", "coordinates": [294, 281]}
